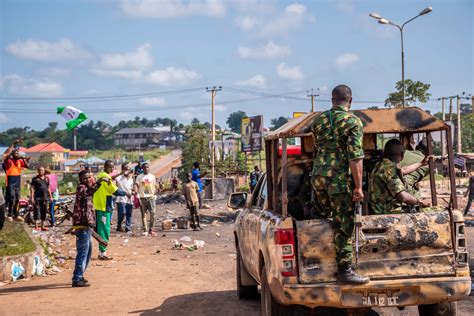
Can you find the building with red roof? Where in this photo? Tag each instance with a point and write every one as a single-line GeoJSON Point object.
{"type": "Point", "coordinates": [56, 152]}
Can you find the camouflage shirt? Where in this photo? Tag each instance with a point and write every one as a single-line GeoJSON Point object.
{"type": "Point", "coordinates": [337, 136]}
{"type": "Point", "coordinates": [384, 184]}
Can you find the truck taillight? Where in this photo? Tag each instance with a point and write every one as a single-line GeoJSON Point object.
{"type": "Point", "coordinates": [285, 241]}
{"type": "Point", "coordinates": [462, 257]}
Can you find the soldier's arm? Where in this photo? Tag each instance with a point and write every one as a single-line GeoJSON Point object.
{"type": "Point", "coordinates": [413, 167]}
{"type": "Point", "coordinates": [355, 155]}
{"type": "Point", "coordinates": [409, 199]}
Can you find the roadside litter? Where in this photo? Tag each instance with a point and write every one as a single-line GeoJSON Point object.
{"type": "Point", "coordinates": [180, 246]}
{"type": "Point", "coordinates": [17, 271]}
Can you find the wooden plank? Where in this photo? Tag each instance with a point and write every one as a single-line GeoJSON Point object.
{"type": "Point", "coordinates": [434, 199]}
{"type": "Point", "coordinates": [452, 174]}
{"type": "Point", "coordinates": [276, 207]}
{"type": "Point", "coordinates": [268, 151]}
{"type": "Point", "coordinates": [284, 178]}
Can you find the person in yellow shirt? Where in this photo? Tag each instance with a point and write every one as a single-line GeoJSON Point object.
{"type": "Point", "coordinates": [103, 205]}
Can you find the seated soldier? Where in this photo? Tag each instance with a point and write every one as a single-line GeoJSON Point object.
{"type": "Point", "coordinates": [412, 168]}
{"type": "Point", "coordinates": [387, 190]}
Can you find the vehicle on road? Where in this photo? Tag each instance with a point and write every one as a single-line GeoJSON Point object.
{"type": "Point", "coordinates": [415, 258]}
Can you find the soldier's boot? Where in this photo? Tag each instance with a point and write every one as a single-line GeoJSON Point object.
{"type": "Point", "coordinates": [347, 275]}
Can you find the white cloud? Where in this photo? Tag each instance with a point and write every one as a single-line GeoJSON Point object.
{"type": "Point", "coordinates": [257, 81]}
{"type": "Point", "coordinates": [171, 76]}
{"type": "Point", "coordinates": [128, 65]}
{"type": "Point", "coordinates": [289, 72]}
{"type": "Point", "coordinates": [18, 85]}
{"type": "Point", "coordinates": [292, 18]}
{"type": "Point", "coordinates": [246, 23]}
{"type": "Point", "coordinates": [153, 101]}
{"type": "Point", "coordinates": [54, 72]}
{"type": "Point", "coordinates": [345, 60]}
{"type": "Point", "coordinates": [172, 8]}
{"type": "Point", "coordinates": [39, 50]}
{"type": "Point", "coordinates": [3, 118]}
{"type": "Point", "coordinates": [269, 51]}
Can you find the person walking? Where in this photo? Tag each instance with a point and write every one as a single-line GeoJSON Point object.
{"type": "Point", "coordinates": [337, 175]}
{"type": "Point", "coordinates": [196, 176]}
{"type": "Point", "coordinates": [469, 194]}
{"type": "Point", "coordinates": [192, 201]}
{"type": "Point", "coordinates": [103, 204]}
{"type": "Point", "coordinates": [54, 190]}
{"type": "Point", "coordinates": [254, 177]}
{"type": "Point", "coordinates": [40, 195]}
{"type": "Point", "coordinates": [83, 220]}
{"type": "Point", "coordinates": [13, 164]}
{"type": "Point", "coordinates": [124, 203]}
{"type": "Point", "coordinates": [145, 188]}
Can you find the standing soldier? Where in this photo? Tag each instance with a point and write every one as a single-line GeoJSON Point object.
{"type": "Point", "coordinates": [337, 175]}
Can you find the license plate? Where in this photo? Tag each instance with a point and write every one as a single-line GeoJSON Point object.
{"type": "Point", "coordinates": [377, 299]}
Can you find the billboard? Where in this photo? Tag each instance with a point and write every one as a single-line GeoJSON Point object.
{"type": "Point", "coordinates": [252, 132]}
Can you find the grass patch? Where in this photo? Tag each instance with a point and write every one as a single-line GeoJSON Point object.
{"type": "Point", "coordinates": [17, 240]}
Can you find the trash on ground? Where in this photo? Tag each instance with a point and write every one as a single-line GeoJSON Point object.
{"type": "Point", "coordinates": [17, 270]}
{"type": "Point", "coordinates": [186, 239]}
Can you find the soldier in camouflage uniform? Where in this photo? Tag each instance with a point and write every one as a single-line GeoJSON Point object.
{"type": "Point", "coordinates": [388, 192]}
{"type": "Point", "coordinates": [413, 169]}
{"type": "Point", "coordinates": [337, 175]}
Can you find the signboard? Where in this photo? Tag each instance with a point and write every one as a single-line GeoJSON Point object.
{"type": "Point", "coordinates": [252, 131]}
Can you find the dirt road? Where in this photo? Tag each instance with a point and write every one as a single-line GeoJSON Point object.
{"type": "Point", "coordinates": [161, 167]}
{"type": "Point", "coordinates": [147, 277]}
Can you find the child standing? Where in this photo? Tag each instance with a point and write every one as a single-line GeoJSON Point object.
{"type": "Point", "coordinates": [40, 196]}
{"type": "Point", "coordinates": [191, 189]}
{"type": "Point", "coordinates": [83, 218]}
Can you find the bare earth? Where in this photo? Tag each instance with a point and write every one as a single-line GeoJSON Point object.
{"type": "Point", "coordinates": [141, 281]}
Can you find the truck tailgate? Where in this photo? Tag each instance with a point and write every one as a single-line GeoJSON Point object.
{"type": "Point", "coordinates": [398, 245]}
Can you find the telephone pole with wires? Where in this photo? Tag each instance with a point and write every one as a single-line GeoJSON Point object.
{"type": "Point", "coordinates": [213, 91]}
{"type": "Point", "coordinates": [311, 95]}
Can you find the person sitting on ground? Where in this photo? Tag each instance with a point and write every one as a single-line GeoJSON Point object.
{"type": "Point", "coordinates": [13, 165]}
{"type": "Point", "coordinates": [192, 202]}
{"type": "Point", "coordinates": [145, 188]}
{"type": "Point", "coordinates": [103, 204]}
{"type": "Point", "coordinates": [387, 190]}
{"type": "Point", "coordinates": [83, 220]}
{"type": "Point", "coordinates": [124, 203]}
{"type": "Point", "coordinates": [412, 168]}
{"type": "Point", "coordinates": [40, 196]}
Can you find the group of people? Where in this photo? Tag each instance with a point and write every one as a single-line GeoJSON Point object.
{"type": "Point", "coordinates": [338, 170]}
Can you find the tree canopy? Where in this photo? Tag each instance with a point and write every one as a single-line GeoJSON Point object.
{"type": "Point", "coordinates": [415, 91]}
{"type": "Point", "coordinates": [278, 122]}
{"type": "Point", "coordinates": [234, 121]}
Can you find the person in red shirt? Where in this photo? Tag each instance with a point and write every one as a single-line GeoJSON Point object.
{"type": "Point", "coordinates": [13, 164]}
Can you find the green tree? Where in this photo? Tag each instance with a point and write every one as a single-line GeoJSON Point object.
{"type": "Point", "coordinates": [46, 159]}
{"type": "Point", "coordinates": [415, 91]}
{"type": "Point", "coordinates": [278, 122]}
{"type": "Point", "coordinates": [195, 147]}
{"type": "Point", "coordinates": [467, 133]}
{"type": "Point", "coordinates": [234, 121]}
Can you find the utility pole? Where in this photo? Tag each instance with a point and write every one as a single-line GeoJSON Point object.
{"type": "Point", "coordinates": [450, 109]}
{"type": "Point", "coordinates": [312, 95]}
{"type": "Point", "coordinates": [213, 92]}
{"type": "Point", "coordinates": [443, 151]}
{"type": "Point", "coordinates": [472, 104]}
{"type": "Point", "coordinates": [74, 135]}
{"type": "Point", "coordinates": [459, 147]}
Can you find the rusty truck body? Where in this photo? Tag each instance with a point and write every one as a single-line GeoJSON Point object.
{"type": "Point", "coordinates": [411, 258]}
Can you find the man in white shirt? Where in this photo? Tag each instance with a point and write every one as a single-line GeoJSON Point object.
{"type": "Point", "coordinates": [145, 187]}
{"type": "Point", "coordinates": [124, 203]}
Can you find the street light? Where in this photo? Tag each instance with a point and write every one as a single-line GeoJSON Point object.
{"type": "Point", "coordinates": [381, 20]}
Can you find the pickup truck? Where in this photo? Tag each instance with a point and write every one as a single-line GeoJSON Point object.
{"type": "Point", "coordinates": [418, 258]}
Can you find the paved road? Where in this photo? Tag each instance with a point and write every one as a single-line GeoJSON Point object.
{"type": "Point", "coordinates": [142, 281]}
{"type": "Point", "coordinates": [161, 167]}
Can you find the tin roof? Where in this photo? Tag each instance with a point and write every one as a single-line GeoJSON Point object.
{"type": "Point", "coordinates": [399, 120]}
{"type": "Point", "coordinates": [46, 147]}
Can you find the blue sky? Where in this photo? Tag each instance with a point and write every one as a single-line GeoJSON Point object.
{"type": "Point", "coordinates": [58, 49]}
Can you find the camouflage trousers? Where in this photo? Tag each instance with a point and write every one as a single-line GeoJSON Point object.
{"type": "Point", "coordinates": [340, 207]}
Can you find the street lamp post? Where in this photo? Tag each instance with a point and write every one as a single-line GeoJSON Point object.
{"type": "Point", "coordinates": [400, 28]}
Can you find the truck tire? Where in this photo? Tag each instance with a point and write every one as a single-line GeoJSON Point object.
{"type": "Point", "coordinates": [268, 305]}
{"type": "Point", "coordinates": [440, 309]}
{"type": "Point", "coordinates": [244, 291]}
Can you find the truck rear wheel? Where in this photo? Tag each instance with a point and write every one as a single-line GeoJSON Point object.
{"type": "Point", "coordinates": [440, 309]}
{"type": "Point", "coordinates": [268, 305]}
{"type": "Point", "coordinates": [244, 291]}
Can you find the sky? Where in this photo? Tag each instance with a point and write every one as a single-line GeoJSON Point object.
{"type": "Point", "coordinates": [163, 54]}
